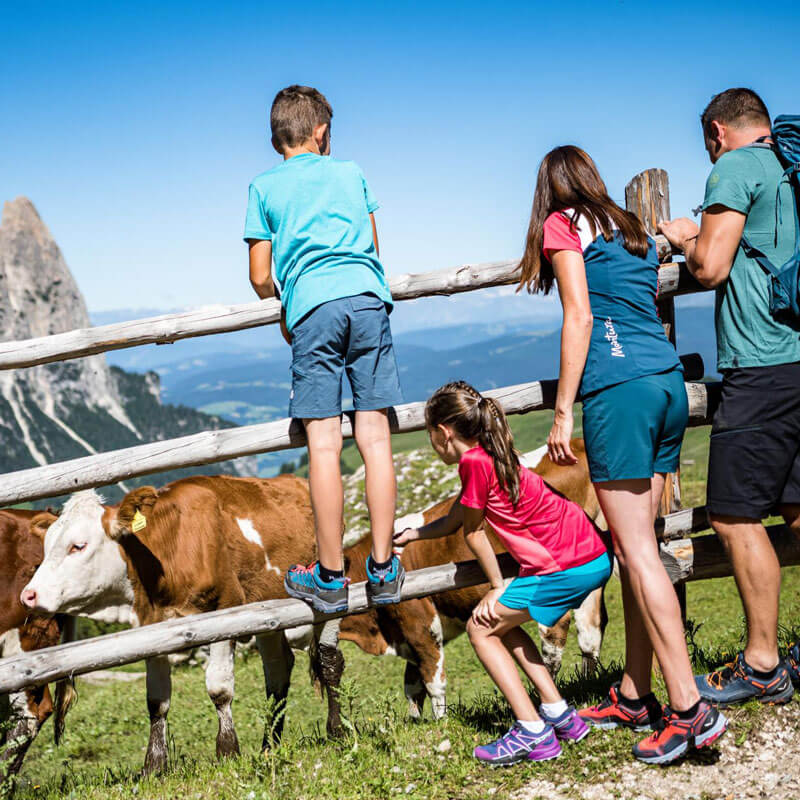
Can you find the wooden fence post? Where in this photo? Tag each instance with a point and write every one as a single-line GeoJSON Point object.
{"type": "Point", "coordinates": [647, 196]}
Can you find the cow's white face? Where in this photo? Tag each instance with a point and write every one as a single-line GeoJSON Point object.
{"type": "Point", "coordinates": [83, 571]}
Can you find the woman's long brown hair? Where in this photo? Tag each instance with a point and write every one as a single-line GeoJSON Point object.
{"type": "Point", "coordinates": [473, 416]}
{"type": "Point", "coordinates": [568, 178]}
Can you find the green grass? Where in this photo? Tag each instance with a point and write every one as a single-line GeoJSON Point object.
{"type": "Point", "coordinates": [385, 755]}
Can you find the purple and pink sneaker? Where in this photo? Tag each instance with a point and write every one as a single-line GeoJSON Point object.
{"type": "Point", "coordinates": [520, 745]}
{"type": "Point", "coordinates": [568, 727]}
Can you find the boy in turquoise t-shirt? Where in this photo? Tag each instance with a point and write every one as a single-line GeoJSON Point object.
{"type": "Point", "coordinates": [311, 217]}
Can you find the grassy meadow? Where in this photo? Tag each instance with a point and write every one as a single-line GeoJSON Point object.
{"type": "Point", "coordinates": [384, 754]}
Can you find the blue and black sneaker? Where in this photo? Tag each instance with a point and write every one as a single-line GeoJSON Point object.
{"type": "Point", "coordinates": [793, 660]}
{"type": "Point", "coordinates": [738, 682]}
{"type": "Point", "coordinates": [384, 585]}
{"type": "Point", "coordinates": [304, 583]}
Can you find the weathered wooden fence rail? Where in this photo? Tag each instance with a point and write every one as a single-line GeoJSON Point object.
{"type": "Point", "coordinates": [208, 447]}
{"type": "Point", "coordinates": [168, 328]}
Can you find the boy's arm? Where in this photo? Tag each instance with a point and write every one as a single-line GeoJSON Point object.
{"type": "Point", "coordinates": [375, 234]}
{"type": "Point", "coordinates": [261, 267]}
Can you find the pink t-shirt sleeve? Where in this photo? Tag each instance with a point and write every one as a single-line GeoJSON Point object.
{"type": "Point", "coordinates": [559, 235]}
{"type": "Point", "coordinates": [475, 481]}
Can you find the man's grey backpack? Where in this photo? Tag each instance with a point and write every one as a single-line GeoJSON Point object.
{"type": "Point", "coordinates": [784, 295]}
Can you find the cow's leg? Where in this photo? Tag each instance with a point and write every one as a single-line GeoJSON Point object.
{"type": "Point", "coordinates": [414, 688]}
{"type": "Point", "coordinates": [25, 712]}
{"type": "Point", "coordinates": [328, 667]}
{"type": "Point", "coordinates": [554, 640]}
{"type": "Point", "coordinates": [590, 621]}
{"type": "Point", "coordinates": [220, 686]}
{"type": "Point", "coordinates": [277, 659]}
{"type": "Point", "coordinates": [429, 648]}
{"type": "Point", "coordinates": [159, 691]}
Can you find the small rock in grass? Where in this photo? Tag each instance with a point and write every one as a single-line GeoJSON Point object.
{"type": "Point", "coordinates": [443, 746]}
{"type": "Point", "coordinates": [410, 788]}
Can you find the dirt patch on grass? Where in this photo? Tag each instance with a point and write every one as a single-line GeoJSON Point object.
{"type": "Point", "coordinates": [757, 758]}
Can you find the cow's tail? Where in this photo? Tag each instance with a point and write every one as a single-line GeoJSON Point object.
{"type": "Point", "coordinates": [66, 695]}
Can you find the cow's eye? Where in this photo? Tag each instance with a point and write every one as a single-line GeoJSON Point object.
{"type": "Point", "coordinates": [77, 548]}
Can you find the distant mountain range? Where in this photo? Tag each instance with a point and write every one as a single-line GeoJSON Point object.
{"type": "Point", "coordinates": [79, 407]}
{"type": "Point", "coordinates": [245, 376]}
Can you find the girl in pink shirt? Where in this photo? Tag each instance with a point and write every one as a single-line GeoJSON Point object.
{"type": "Point", "coordinates": [561, 556]}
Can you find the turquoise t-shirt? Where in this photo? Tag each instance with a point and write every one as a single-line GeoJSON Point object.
{"type": "Point", "coordinates": [316, 210]}
{"type": "Point", "coordinates": [749, 180]}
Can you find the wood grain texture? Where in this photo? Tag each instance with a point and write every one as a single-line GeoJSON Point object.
{"type": "Point", "coordinates": [208, 447]}
{"type": "Point", "coordinates": [170, 328]}
{"type": "Point", "coordinates": [103, 652]}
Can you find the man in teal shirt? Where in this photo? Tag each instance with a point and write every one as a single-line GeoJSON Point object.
{"type": "Point", "coordinates": [754, 458]}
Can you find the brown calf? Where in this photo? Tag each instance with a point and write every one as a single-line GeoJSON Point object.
{"type": "Point", "coordinates": [417, 630]}
{"type": "Point", "coordinates": [198, 544]}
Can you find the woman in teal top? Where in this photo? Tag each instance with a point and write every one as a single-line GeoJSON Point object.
{"type": "Point", "coordinates": [614, 354]}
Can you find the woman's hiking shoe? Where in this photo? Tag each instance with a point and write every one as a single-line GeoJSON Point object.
{"type": "Point", "coordinates": [384, 585]}
{"type": "Point", "coordinates": [674, 735]}
{"type": "Point", "coordinates": [615, 712]}
{"type": "Point", "coordinates": [793, 662]}
{"type": "Point", "coordinates": [568, 727]}
{"type": "Point", "coordinates": [738, 682]}
{"type": "Point", "coordinates": [304, 583]}
{"type": "Point", "coordinates": [520, 745]}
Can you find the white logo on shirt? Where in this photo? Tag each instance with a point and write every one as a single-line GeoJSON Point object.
{"type": "Point", "coordinates": [613, 338]}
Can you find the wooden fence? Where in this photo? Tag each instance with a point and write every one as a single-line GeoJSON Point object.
{"type": "Point", "coordinates": [687, 559]}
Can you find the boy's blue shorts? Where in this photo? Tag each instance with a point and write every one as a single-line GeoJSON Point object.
{"type": "Point", "coordinates": [350, 335]}
{"type": "Point", "coordinates": [635, 429]}
{"type": "Point", "coordinates": [548, 597]}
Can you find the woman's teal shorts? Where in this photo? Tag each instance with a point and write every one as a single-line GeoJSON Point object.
{"type": "Point", "coordinates": [635, 429]}
{"type": "Point", "coordinates": [548, 597]}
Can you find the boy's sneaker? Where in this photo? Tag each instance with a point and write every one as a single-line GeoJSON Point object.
{"type": "Point", "coordinates": [568, 727]}
{"type": "Point", "coordinates": [674, 736]}
{"type": "Point", "coordinates": [520, 745]}
{"type": "Point", "coordinates": [304, 583]}
{"type": "Point", "coordinates": [384, 585]}
{"type": "Point", "coordinates": [614, 712]}
{"type": "Point", "coordinates": [793, 662]}
{"type": "Point", "coordinates": [737, 682]}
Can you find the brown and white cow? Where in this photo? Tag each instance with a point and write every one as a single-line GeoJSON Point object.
{"type": "Point", "coordinates": [198, 544]}
{"type": "Point", "coordinates": [24, 713]}
{"type": "Point", "coordinates": [417, 630]}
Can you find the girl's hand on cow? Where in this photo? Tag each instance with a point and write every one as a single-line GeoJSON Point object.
{"type": "Point", "coordinates": [405, 536]}
{"type": "Point", "coordinates": [558, 442]}
{"type": "Point", "coordinates": [485, 613]}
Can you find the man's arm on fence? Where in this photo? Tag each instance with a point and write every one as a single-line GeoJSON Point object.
{"type": "Point", "coordinates": [711, 248]}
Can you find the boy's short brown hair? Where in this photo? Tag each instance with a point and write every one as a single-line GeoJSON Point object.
{"type": "Point", "coordinates": [296, 111]}
{"type": "Point", "coordinates": [735, 107]}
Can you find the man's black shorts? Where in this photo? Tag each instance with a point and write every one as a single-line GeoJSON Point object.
{"type": "Point", "coordinates": [754, 461]}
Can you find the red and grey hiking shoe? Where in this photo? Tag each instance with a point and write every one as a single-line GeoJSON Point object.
{"type": "Point", "coordinates": [613, 712]}
{"type": "Point", "coordinates": [737, 682]}
{"type": "Point", "coordinates": [793, 662]}
{"type": "Point", "coordinates": [673, 735]}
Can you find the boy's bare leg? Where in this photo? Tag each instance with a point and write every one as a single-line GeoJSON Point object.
{"type": "Point", "coordinates": [374, 442]}
{"type": "Point", "coordinates": [325, 480]}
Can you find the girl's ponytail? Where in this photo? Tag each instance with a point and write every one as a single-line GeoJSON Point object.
{"type": "Point", "coordinates": [474, 416]}
{"type": "Point", "coordinates": [496, 439]}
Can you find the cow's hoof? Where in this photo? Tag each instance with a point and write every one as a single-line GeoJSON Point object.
{"type": "Point", "coordinates": [154, 764]}
{"type": "Point", "coordinates": [227, 745]}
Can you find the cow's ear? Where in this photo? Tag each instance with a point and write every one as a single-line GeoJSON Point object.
{"type": "Point", "coordinates": [133, 511]}
{"type": "Point", "coordinates": [41, 522]}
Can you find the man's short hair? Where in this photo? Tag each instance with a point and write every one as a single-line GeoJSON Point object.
{"type": "Point", "coordinates": [740, 108]}
{"type": "Point", "coordinates": [296, 111]}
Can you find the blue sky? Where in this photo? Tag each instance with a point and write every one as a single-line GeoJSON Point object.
{"type": "Point", "coordinates": [135, 127]}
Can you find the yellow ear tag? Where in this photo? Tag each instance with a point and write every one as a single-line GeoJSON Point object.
{"type": "Point", "coordinates": [139, 522]}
